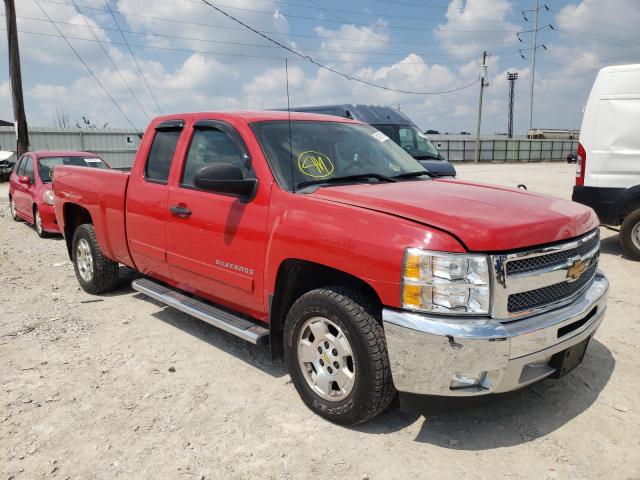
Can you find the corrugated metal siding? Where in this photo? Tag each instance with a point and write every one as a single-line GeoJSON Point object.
{"type": "Point", "coordinates": [462, 148]}
{"type": "Point", "coordinates": [116, 146]}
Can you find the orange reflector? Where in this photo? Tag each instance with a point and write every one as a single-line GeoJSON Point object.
{"type": "Point", "coordinates": [411, 295]}
{"type": "Point", "coordinates": [412, 267]}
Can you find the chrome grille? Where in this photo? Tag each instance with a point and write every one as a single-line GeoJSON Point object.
{"type": "Point", "coordinates": [532, 281]}
{"type": "Point", "coordinates": [543, 261]}
{"type": "Point", "coordinates": [519, 302]}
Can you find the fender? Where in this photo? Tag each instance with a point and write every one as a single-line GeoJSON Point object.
{"type": "Point", "coordinates": [365, 244]}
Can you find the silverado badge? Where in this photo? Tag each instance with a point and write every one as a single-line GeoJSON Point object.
{"type": "Point", "coordinates": [576, 269]}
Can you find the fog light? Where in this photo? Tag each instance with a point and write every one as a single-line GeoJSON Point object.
{"type": "Point", "coordinates": [467, 380]}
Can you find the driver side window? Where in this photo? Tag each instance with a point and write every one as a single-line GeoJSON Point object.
{"type": "Point", "coordinates": [210, 146]}
{"type": "Point", "coordinates": [28, 170]}
{"type": "Point", "coordinates": [20, 165]}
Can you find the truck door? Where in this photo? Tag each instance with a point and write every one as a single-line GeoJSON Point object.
{"type": "Point", "coordinates": [216, 242]}
{"type": "Point", "coordinates": [147, 195]}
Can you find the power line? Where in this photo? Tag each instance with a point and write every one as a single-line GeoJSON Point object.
{"type": "Point", "coordinates": [226, 27]}
{"type": "Point", "coordinates": [344, 75]}
{"type": "Point", "coordinates": [206, 40]}
{"type": "Point", "coordinates": [442, 7]}
{"type": "Point", "coordinates": [144, 77]}
{"type": "Point", "coordinates": [587, 19]}
{"type": "Point", "coordinates": [330, 12]}
{"type": "Point", "coordinates": [115, 67]}
{"type": "Point", "coordinates": [207, 52]}
{"type": "Point", "coordinates": [359, 24]}
{"type": "Point", "coordinates": [353, 12]}
{"type": "Point", "coordinates": [113, 100]}
{"type": "Point", "coordinates": [187, 22]}
{"type": "Point", "coordinates": [371, 25]}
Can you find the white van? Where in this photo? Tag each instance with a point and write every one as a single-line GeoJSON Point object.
{"type": "Point", "coordinates": [608, 163]}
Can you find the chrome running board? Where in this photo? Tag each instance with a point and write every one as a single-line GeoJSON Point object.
{"type": "Point", "coordinates": [240, 327]}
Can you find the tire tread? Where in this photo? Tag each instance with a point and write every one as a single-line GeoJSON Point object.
{"type": "Point", "coordinates": [105, 270]}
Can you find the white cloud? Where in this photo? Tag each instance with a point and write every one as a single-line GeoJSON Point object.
{"type": "Point", "coordinates": [351, 38]}
{"type": "Point", "coordinates": [473, 23]}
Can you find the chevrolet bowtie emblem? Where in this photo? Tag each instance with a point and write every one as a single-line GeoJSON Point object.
{"type": "Point", "coordinates": [576, 269]}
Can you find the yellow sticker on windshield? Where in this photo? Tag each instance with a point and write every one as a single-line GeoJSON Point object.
{"type": "Point", "coordinates": [315, 164]}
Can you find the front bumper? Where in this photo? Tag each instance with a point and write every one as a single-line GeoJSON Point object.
{"type": "Point", "coordinates": [427, 351]}
{"type": "Point", "coordinates": [48, 216]}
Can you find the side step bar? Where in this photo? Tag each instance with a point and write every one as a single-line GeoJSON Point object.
{"type": "Point", "coordinates": [238, 326]}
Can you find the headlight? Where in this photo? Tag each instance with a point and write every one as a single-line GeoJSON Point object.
{"type": "Point", "coordinates": [47, 197]}
{"type": "Point", "coordinates": [445, 283]}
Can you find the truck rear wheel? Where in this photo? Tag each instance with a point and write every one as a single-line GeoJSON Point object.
{"type": "Point", "coordinates": [337, 355]}
{"type": "Point", "coordinates": [630, 235]}
{"type": "Point", "coordinates": [95, 272]}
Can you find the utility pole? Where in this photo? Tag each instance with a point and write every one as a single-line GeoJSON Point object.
{"type": "Point", "coordinates": [512, 77]}
{"type": "Point", "coordinates": [19, 116]}
{"type": "Point", "coordinates": [483, 84]}
{"type": "Point", "coordinates": [533, 63]}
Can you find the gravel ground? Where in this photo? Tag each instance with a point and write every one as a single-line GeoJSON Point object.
{"type": "Point", "coordinates": [118, 386]}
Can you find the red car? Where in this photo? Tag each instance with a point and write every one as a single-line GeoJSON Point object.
{"type": "Point", "coordinates": [30, 194]}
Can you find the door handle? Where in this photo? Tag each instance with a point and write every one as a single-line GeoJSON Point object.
{"type": "Point", "coordinates": [180, 211]}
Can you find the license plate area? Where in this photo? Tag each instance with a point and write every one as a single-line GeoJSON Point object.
{"type": "Point", "coordinates": [568, 359]}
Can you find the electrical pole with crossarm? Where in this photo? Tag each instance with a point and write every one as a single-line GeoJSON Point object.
{"type": "Point", "coordinates": [511, 77]}
{"type": "Point", "coordinates": [20, 118]}
{"type": "Point", "coordinates": [483, 83]}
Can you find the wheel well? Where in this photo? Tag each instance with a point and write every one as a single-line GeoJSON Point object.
{"type": "Point", "coordinates": [631, 206]}
{"type": "Point", "coordinates": [297, 277]}
{"type": "Point", "coordinates": [74, 216]}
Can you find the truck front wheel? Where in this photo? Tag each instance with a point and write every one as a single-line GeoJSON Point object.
{"type": "Point", "coordinates": [630, 235]}
{"type": "Point", "coordinates": [95, 272]}
{"type": "Point", "coordinates": [337, 356]}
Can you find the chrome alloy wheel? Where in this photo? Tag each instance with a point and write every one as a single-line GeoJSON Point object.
{"type": "Point", "coordinates": [38, 222]}
{"type": "Point", "coordinates": [84, 260]}
{"type": "Point", "coordinates": [635, 235]}
{"type": "Point", "coordinates": [326, 359]}
{"type": "Point", "coordinates": [12, 205]}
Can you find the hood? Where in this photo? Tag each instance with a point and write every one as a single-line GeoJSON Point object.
{"type": "Point", "coordinates": [483, 217]}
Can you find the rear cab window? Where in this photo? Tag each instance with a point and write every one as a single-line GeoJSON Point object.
{"type": "Point", "coordinates": [162, 150]}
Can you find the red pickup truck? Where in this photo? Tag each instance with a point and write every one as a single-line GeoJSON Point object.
{"type": "Point", "coordinates": [321, 237]}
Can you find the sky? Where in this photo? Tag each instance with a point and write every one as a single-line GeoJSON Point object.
{"type": "Point", "coordinates": [182, 55]}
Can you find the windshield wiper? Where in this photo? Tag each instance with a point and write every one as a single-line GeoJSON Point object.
{"type": "Point", "coordinates": [415, 174]}
{"type": "Point", "coordinates": [426, 157]}
{"type": "Point", "coordinates": [346, 178]}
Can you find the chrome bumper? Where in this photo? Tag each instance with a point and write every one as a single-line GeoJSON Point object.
{"type": "Point", "coordinates": [427, 351]}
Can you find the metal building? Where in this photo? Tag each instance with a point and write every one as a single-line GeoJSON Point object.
{"type": "Point", "coordinates": [116, 146]}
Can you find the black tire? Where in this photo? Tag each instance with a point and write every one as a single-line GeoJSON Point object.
{"type": "Point", "coordinates": [630, 235]}
{"type": "Point", "coordinates": [13, 211]}
{"type": "Point", "coordinates": [104, 276]}
{"type": "Point", "coordinates": [38, 225]}
{"type": "Point", "coordinates": [359, 319]}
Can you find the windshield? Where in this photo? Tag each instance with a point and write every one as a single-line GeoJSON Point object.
{"type": "Point", "coordinates": [328, 151]}
{"type": "Point", "coordinates": [45, 165]}
{"type": "Point", "coordinates": [411, 139]}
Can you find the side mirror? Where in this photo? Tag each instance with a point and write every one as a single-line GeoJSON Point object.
{"type": "Point", "coordinates": [225, 178]}
{"type": "Point", "coordinates": [23, 179]}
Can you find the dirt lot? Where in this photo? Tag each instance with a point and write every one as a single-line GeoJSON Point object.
{"type": "Point", "coordinates": [119, 387]}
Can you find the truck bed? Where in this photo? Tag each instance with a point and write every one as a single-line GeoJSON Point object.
{"type": "Point", "coordinates": [102, 193]}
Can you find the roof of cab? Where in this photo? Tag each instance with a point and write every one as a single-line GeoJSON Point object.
{"type": "Point", "coordinates": [251, 116]}
{"type": "Point", "coordinates": [61, 153]}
